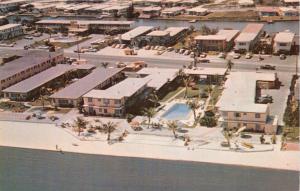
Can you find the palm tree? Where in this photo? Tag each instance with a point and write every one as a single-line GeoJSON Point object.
{"type": "Point", "coordinates": [229, 64]}
{"type": "Point", "coordinates": [80, 124]}
{"type": "Point", "coordinates": [173, 126]}
{"type": "Point", "coordinates": [149, 113]}
{"type": "Point", "coordinates": [109, 127]}
{"type": "Point", "coordinates": [193, 105]}
{"type": "Point", "coordinates": [228, 135]}
{"type": "Point", "coordinates": [209, 89]}
{"type": "Point", "coordinates": [154, 98]}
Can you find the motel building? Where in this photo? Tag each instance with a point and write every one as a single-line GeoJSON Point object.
{"type": "Point", "coordinates": [237, 106]}
{"type": "Point", "coordinates": [222, 41]}
{"type": "Point", "coordinates": [167, 37]}
{"type": "Point", "coordinates": [248, 38]}
{"type": "Point", "coordinates": [9, 31]}
{"type": "Point", "coordinates": [31, 63]}
{"type": "Point", "coordinates": [283, 42]}
{"type": "Point", "coordinates": [114, 100]}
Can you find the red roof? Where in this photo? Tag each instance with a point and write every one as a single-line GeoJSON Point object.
{"type": "Point", "coordinates": [253, 28]}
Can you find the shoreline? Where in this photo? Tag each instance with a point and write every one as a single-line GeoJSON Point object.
{"type": "Point", "coordinates": [47, 136]}
{"type": "Point", "coordinates": [146, 158]}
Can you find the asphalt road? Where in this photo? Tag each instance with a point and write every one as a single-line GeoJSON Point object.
{"type": "Point", "coordinates": [36, 170]}
{"type": "Point", "coordinates": [287, 65]}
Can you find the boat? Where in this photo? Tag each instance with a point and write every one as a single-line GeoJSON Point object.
{"type": "Point", "coordinates": [270, 21]}
{"type": "Point", "coordinates": [193, 21]}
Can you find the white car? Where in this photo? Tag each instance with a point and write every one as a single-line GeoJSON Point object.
{"type": "Point", "coordinates": [28, 37]}
{"type": "Point", "coordinates": [221, 55]}
{"type": "Point", "coordinates": [236, 56]}
{"type": "Point", "coordinates": [187, 52]}
{"type": "Point", "coordinates": [248, 56]}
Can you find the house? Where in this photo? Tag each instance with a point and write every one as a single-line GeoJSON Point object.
{"type": "Point", "coordinates": [246, 3]}
{"type": "Point", "coordinates": [147, 2]}
{"type": "Point", "coordinates": [291, 2]}
{"type": "Point", "coordinates": [173, 11]}
{"type": "Point", "coordinates": [12, 5]}
{"type": "Point", "coordinates": [248, 38]}
{"type": "Point", "coordinates": [99, 78]}
{"type": "Point", "coordinates": [95, 9]}
{"type": "Point", "coordinates": [149, 12]}
{"type": "Point", "coordinates": [237, 106]}
{"type": "Point", "coordinates": [30, 87]}
{"type": "Point", "coordinates": [283, 42]}
{"type": "Point", "coordinates": [222, 41]}
{"type": "Point", "coordinates": [197, 11]}
{"type": "Point", "coordinates": [268, 11]}
{"type": "Point", "coordinates": [168, 36]}
{"type": "Point", "coordinates": [116, 10]}
{"type": "Point", "coordinates": [31, 63]}
{"type": "Point", "coordinates": [289, 11]}
{"type": "Point", "coordinates": [115, 100]}
{"type": "Point", "coordinates": [9, 31]}
{"type": "Point", "coordinates": [42, 8]}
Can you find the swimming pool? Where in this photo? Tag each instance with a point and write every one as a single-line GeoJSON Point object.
{"type": "Point", "coordinates": [178, 111]}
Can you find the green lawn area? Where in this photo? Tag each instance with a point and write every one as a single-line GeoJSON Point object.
{"type": "Point", "coordinates": [191, 93]}
{"type": "Point", "coordinates": [13, 106]}
{"type": "Point", "coordinates": [215, 95]}
{"type": "Point", "coordinates": [293, 133]}
{"type": "Point", "coordinates": [171, 94]}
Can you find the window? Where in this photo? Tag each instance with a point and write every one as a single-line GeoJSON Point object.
{"type": "Point", "coordinates": [100, 110]}
{"type": "Point", "coordinates": [117, 101]}
{"type": "Point", "coordinates": [242, 43]}
{"type": "Point", "coordinates": [244, 113]}
{"type": "Point", "coordinates": [257, 115]}
{"type": "Point", "coordinates": [237, 114]}
{"type": "Point", "coordinates": [257, 127]}
{"type": "Point", "coordinates": [282, 44]}
{"type": "Point", "coordinates": [90, 99]}
{"type": "Point", "coordinates": [245, 124]}
{"type": "Point", "coordinates": [91, 110]}
{"type": "Point", "coordinates": [99, 100]}
{"type": "Point", "coordinates": [104, 110]}
{"type": "Point", "coordinates": [106, 101]}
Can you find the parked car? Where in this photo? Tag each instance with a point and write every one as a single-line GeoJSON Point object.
{"type": "Point", "coordinates": [248, 56]}
{"type": "Point", "coordinates": [38, 34]}
{"type": "Point", "coordinates": [91, 50]}
{"type": "Point", "coordinates": [181, 51]}
{"type": "Point", "coordinates": [177, 50]}
{"type": "Point", "coordinates": [221, 55]}
{"type": "Point", "coordinates": [169, 49]}
{"type": "Point", "coordinates": [28, 37]}
{"type": "Point", "coordinates": [122, 46]}
{"type": "Point", "coordinates": [26, 47]}
{"type": "Point", "coordinates": [204, 61]}
{"type": "Point", "coordinates": [147, 47]}
{"type": "Point", "coordinates": [192, 54]}
{"type": "Point", "coordinates": [187, 52]}
{"type": "Point", "coordinates": [282, 56]}
{"type": "Point", "coordinates": [236, 56]}
{"type": "Point", "coordinates": [264, 99]}
{"type": "Point", "coordinates": [203, 55]}
{"type": "Point", "coordinates": [268, 67]}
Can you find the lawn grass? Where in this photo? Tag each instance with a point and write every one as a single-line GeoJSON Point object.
{"type": "Point", "coordinates": [215, 95]}
{"type": "Point", "coordinates": [171, 94]}
{"type": "Point", "coordinates": [13, 106]}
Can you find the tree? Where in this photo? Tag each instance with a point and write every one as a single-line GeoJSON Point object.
{"type": "Point", "coordinates": [109, 127]}
{"type": "Point", "coordinates": [209, 89]}
{"type": "Point", "coordinates": [228, 135]}
{"type": "Point", "coordinates": [149, 113]}
{"type": "Point", "coordinates": [154, 98]}
{"type": "Point", "coordinates": [193, 105]}
{"type": "Point", "coordinates": [104, 64]}
{"type": "Point", "coordinates": [173, 126]}
{"type": "Point", "coordinates": [229, 64]}
{"type": "Point", "coordinates": [208, 121]}
{"type": "Point", "coordinates": [17, 19]}
{"type": "Point", "coordinates": [80, 124]}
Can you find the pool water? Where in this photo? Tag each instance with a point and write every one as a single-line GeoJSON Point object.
{"type": "Point", "coordinates": [178, 111]}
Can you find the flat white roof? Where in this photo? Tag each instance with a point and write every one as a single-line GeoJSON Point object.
{"type": "Point", "coordinates": [227, 35]}
{"type": "Point", "coordinates": [286, 37]}
{"type": "Point", "coordinates": [125, 88]}
{"type": "Point", "coordinates": [82, 22]}
{"type": "Point", "coordinates": [198, 9]}
{"type": "Point", "coordinates": [158, 76]}
{"type": "Point", "coordinates": [206, 71]}
{"type": "Point", "coordinates": [250, 32]}
{"type": "Point", "coordinates": [173, 9]}
{"type": "Point", "coordinates": [8, 26]}
{"type": "Point", "coordinates": [136, 32]}
{"type": "Point", "coordinates": [158, 33]}
{"type": "Point", "coordinates": [240, 91]}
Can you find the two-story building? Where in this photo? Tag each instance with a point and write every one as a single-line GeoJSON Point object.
{"type": "Point", "coordinates": [114, 100]}
{"type": "Point", "coordinates": [222, 41]}
{"type": "Point", "coordinates": [29, 64]}
{"type": "Point", "coordinates": [237, 106]}
{"type": "Point", "coordinates": [283, 42]}
{"type": "Point", "coordinates": [9, 31]}
{"type": "Point", "coordinates": [248, 38]}
{"type": "Point", "coordinates": [167, 37]}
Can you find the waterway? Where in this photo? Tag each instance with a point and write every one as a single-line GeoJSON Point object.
{"type": "Point", "coordinates": [37, 170]}
{"type": "Point", "coordinates": [277, 26]}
